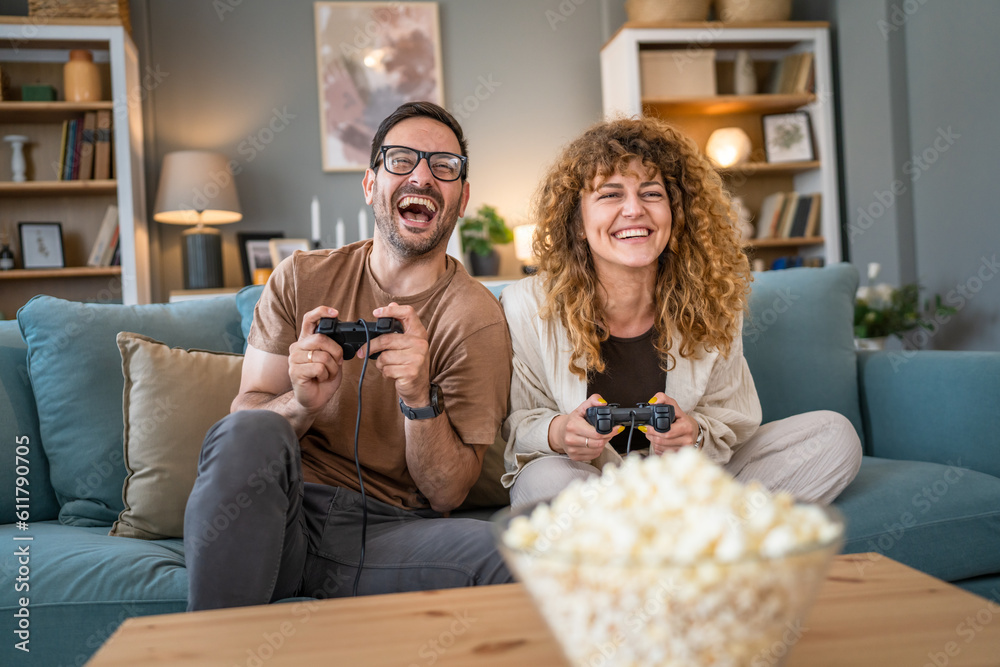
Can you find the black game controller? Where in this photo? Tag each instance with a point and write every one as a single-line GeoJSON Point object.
{"type": "Point", "coordinates": [351, 335]}
{"type": "Point", "coordinates": [605, 417]}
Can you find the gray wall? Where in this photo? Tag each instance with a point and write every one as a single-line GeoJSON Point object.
{"type": "Point", "coordinates": [952, 53]}
{"type": "Point", "coordinates": [227, 72]}
{"type": "Point", "coordinates": [907, 71]}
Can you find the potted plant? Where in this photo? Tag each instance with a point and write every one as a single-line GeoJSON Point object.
{"type": "Point", "coordinates": [883, 310]}
{"type": "Point", "coordinates": [479, 233]}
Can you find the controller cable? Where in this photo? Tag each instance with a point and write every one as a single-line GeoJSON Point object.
{"type": "Point", "coordinates": [357, 464]}
{"type": "Point", "coordinates": [631, 430]}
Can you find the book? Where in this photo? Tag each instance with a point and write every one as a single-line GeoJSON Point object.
{"type": "Point", "coordinates": [812, 225]}
{"type": "Point", "coordinates": [87, 146]}
{"type": "Point", "coordinates": [804, 67]}
{"type": "Point", "coordinates": [109, 250]}
{"type": "Point", "coordinates": [69, 144]}
{"type": "Point", "coordinates": [104, 235]}
{"type": "Point", "coordinates": [787, 215]}
{"type": "Point", "coordinates": [768, 215]}
{"type": "Point", "coordinates": [102, 146]}
{"type": "Point", "coordinates": [74, 173]}
{"type": "Point", "coordinates": [62, 151]}
{"type": "Point", "coordinates": [800, 218]}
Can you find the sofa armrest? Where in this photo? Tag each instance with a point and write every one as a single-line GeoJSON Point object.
{"type": "Point", "coordinates": [935, 406]}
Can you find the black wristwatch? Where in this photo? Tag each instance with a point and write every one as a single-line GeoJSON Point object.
{"type": "Point", "coordinates": [431, 411]}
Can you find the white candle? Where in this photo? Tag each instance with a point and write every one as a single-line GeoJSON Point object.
{"type": "Point", "coordinates": [315, 219]}
{"type": "Point", "coordinates": [340, 232]}
{"type": "Point", "coordinates": [362, 225]}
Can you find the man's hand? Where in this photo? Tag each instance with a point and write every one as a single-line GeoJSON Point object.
{"type": "Point", "coordinates": [572, 434]}
{"type": "Point", "coordinates": [404, 356]}
{"type": "Point", "coordinates": [683, 432]}
{"type": "Point", "coordinates": [314, 363]}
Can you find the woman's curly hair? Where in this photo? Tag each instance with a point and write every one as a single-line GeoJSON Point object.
{"type": "Point", "coordinates": [703, 277]}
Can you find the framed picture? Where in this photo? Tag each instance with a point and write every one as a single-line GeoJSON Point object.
{"type": "Point", "coordinates": [370, 58]}
{"type": "Point", "coordinates": [788, 137]}
{"type": "Point", "coordinates": [41, 245]}
{"type": "Point", "coordinates": [255, 252]}
{"type": "Point", "coordinates": [283, 248]}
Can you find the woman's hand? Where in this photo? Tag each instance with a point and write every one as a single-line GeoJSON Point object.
{"type": "Point", "coordinates": [572, 434]}
{"type": "Point", "coordinates": [683, 432]}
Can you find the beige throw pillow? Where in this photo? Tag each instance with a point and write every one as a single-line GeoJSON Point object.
{"type": "Point", "coordinates": [172, 397]}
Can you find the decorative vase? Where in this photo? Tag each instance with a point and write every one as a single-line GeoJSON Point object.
{"type": "Point", "coordinates": [81, 78]}
{"type": "Point", "coordinates": [18, 165]}
{"type": "Point", "coordinates": [484, 265]}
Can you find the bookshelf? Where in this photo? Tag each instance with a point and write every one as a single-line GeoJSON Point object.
{"type": "Point", "coordinates": [33, 51]}
{"type": "Point", "coordinates": [698, 116]}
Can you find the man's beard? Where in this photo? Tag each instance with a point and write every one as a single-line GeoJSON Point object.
{"type": "Point", "coordinates": [418, 244]}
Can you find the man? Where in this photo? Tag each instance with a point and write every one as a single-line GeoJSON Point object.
{"type": "Point", "coordinates": [281, 468]}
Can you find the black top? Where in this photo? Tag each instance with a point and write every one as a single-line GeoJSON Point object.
{"type": "Point", "coordinates": [632, 374]}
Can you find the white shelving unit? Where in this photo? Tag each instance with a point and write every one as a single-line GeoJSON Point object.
{"type": "Point", "coordinates": [768, 43]}
{"type": "Point", "coordinates": [36, 50]}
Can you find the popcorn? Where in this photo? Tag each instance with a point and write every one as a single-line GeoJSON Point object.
{"type": "Point", "coordinates": [668, 560]}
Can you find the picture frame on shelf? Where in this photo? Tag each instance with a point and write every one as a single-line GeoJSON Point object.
{"type": "Point", "coordinates": [362, 81]}
{"type": "Point", "coordinates": [283, 248]}
{"type": "Point", "coordinates": [41, 245]}
{"type": "Point", "coordinates": [788, 137]}
{"type": "Point", "coordinates": [255, 252]}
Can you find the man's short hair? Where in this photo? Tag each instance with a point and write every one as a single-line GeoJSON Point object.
{"type": "Point", "coordinates": [419, 110]}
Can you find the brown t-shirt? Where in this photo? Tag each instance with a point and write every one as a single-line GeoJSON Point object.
{"type": "Point", "coordinates": [632, 375]}
{"type": "Point", "coordinates": [469, 355]}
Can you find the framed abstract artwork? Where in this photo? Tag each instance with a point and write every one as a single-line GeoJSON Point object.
{"type": "Point", "coordinates": [370, 58]}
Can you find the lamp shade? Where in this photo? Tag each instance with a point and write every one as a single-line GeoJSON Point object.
{"type": "Point", "coordinates": [523, 236]}
{"type": "Point", "coordinates": [196, 187]}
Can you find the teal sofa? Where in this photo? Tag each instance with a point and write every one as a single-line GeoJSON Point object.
{"type": "Point", "coordinates": [928, 493]}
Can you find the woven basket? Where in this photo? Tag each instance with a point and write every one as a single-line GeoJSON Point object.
{"type": "Point", "coordinates": [746, 11]}
{"type": "Point", "coordinates": [659, 11]}
{"type": "Point", "coordinates": [81, 9]}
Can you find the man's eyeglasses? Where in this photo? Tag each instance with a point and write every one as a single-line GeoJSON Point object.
{"type": "Point", "coordinates": [400, 160]}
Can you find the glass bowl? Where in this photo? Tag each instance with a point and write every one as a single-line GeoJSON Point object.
{"type": "Point", "coordinates": [746, 612]}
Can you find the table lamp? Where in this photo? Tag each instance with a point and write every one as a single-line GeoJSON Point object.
{"type": "Point", "coordinates": [523, 236]}
{"type": "Point", "coordinates": [197, 188]}
{"type": "Point", "coordinates": [728, 146]}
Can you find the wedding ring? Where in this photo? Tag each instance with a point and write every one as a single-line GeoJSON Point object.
{"type": "Point", "coordinates": [310, 355]}
{"type": "Point", "coordinates": [586, 442]}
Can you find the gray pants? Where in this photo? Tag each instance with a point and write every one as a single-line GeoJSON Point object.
{"type": "Point", "coordinates": [813, 456]}
{"type": "Point", "coordinates": [254, 532]}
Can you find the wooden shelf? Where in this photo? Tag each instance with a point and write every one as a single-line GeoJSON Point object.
{"type": "Point", "coordinates": [751, 168]}
{"type": "Point", "coordinates": [48, 112]}
{"type": "Point", "coordinates": [792, 242]}
{"type": "Point", "coordinates": [69, 272]}
{"type": "Point", "coordinates": [729, 104]}
{"type": "Point", "coordinates": [49, 188]}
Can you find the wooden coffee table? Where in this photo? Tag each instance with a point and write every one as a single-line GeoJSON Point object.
{"type": "Point", "coordinates": [870, 611]}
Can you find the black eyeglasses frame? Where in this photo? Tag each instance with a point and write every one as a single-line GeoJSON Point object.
{"type": "Point", "coordinates": [422, 155]}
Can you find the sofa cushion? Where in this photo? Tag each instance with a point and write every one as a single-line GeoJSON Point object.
{"type": "Point", "coordinates": [938, 519]}
{"type": "Point", "coordinates": [799, 342]}
{"type": "Point", "coordinates": [19, 435]}
{"type": "Point", "coordinates": [172, 397]}
{"type": "Point", "coordinates": [75, 370]}
{"type": "Point", "coordinates": [933, 405]}
{"type": "Point", "coordinates": [246, 301]}
{"type": "Point", "coordinates": [83, 585]}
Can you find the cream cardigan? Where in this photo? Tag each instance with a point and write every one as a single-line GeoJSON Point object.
{"type": "Point", "coordinates": [718, 393]}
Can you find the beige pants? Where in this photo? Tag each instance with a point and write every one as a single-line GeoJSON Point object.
{"type": "Point", "coordinates": [813, 456]}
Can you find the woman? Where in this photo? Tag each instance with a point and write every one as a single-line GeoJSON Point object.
{"type": "Point", "coordinates": [639, 298]}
